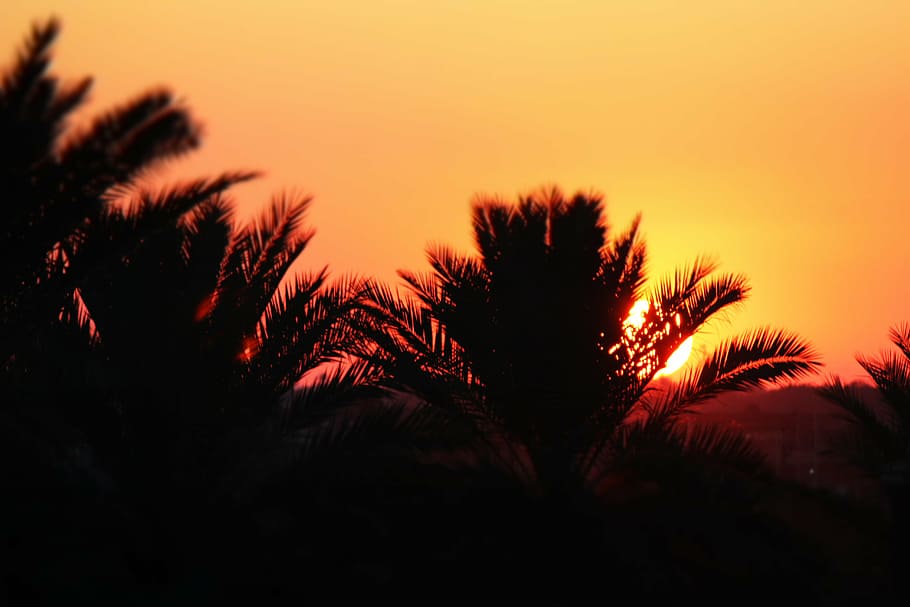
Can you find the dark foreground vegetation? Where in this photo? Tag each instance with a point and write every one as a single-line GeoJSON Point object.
{"type": "Point", "coordinates": [185, 421]}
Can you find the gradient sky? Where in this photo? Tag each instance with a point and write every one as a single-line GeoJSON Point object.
{"type": "Point", "coordinates": [772, 135]}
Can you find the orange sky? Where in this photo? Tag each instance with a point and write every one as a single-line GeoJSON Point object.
{"type": "Point", "coordinates": [774, 135]}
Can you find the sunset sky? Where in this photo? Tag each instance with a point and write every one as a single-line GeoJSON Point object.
{"type": "Point", "coordinates": [772, 135]}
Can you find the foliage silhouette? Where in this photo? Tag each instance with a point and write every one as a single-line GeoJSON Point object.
{"type": "Point", "coordinates": [191, 319]}
{"type": "Point", "coordinates": [527, 344]}
{"type": "Point", "coordinates": [878, 440]}
{"type": "Point", "coordinates": [151, 350]}
{"type": "Point", "coordinates": [185, 418]}
{"type": "Point", "coordinates": [54, 181]}
{"type": "Point", "coordinates": [525, 352]}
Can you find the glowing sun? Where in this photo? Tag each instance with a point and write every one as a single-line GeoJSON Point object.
{"type": "Point", "coordinates": [676, 360]}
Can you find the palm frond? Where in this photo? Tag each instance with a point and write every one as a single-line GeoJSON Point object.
{"type": "Point", "coordinates": [453, 272]}
{"type": "Point", "coordinates": [425, 286]}
{"type": "Point", "coordinates": [172, 203]}
{"type": "Point", "coordinates": [624, 261]}
{"type": "Point", "coordinates": [258, 258]}
{"type": "Point", "coordinates": [576, 234]}
{"type": "Point", "coordinates": [278, 234]}
{"type": "Point", "coordinates": [124, 141]}
{"type": "Point", "coordinates": [111, 236]}
{"type": "Point", "coordinates": [879, 434]}
{"type": "Point", "coordinates": [891, 374]}
{"type": "Point", "coordinates": [672, 292]}
{"type": "Point", "coordinates": [207, 231]}
{"type": "Point", "coordinates": [76, 314]}
{"type": "Point", "coordinates": [305, 326]}
{"type": "Point", "coordinates": [876, 423]}
{"type": "Point", "coordinates": [759, 358]}
{"type": "Point", "coordinates": [342, 385]}
{"type": "Point", "coordinates": [409, 330]}
{"type": "Point", "coordinates": [711, 297]}
{"type": "Point", "coordinates": [31, 64]}
{"type": "Point", "coordinates": [490, 220]}
{"type": "Point", "coordinates": [900, 337]}
{"type": "Point", "coordinates": [65, 102]}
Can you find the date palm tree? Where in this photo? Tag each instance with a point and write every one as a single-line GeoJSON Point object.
{"type": "Point", "coordinates": [200, 326]}
{"type": "Point", "coordinates": [54, 179]}
{"type": "Point", "coordinates": [878, 438]}
{"type": "Point", "coordinates": [201, 332]}
{"type": "Point", "coordinates": [567, 457]}
{"type": "Point", "coordinates": [145, 329]}
{"type": "Point", "coordinates": [527, 344]}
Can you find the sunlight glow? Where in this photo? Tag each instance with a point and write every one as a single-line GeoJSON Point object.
{"type": "Point", "coordinates": [636, 316]}
{"type": "Point", "coordinates": [677, 359]}
{"type": "Point", "coordinates": [636, 319]}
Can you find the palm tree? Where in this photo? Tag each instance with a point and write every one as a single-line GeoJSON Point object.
{"type": "Point", "coordinates": [878, 439]}
{"type": "Point", "coordinates": [199, 327]}
{"type": "Point", "coordinates": [525, 353]}
{"type": "Point", "coordinates": [156, 334]}
{"type": "Point", "coordinates": [201, 331]}
{"type": "Point", "coordinates": [53, 180]}
{"type": "Point", "coordinates": [528, 344]}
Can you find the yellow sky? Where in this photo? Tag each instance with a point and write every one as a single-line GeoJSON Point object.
{"type": "Point", "coordinates": [774, 135]}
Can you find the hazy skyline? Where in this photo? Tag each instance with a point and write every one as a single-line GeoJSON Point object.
{"type": "Point", "coordinates": [775, 138]}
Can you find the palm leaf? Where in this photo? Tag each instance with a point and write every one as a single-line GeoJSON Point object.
{"type": "Point", "coordinates": [343, 385]}
{"type": "Point", "coordinates": [874, 435]}
{"type": "Point", "coordinates": [900, 336]}
{"type": "Point", "coordinates": [31, 64]}
{"type": "Point", "coordinates": [759, 358]}
{"type": "Point", "coordinates": [304, 327]}
{"type": "Point", "coordinates": [891, 374]}
{"type": "Point", "coordinates": [671, 293]}
{"type": "Point", "coordinates": [258, 258]}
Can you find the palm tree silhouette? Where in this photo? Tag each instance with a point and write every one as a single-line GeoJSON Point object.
{"type": "Point", "coordinates": [53, 181]}
{"type": "Point", "coordinates": [200, 327]}
{"type": "Point", "coordinates": [878, 439]}
{"type": "Point", "coordinates": [525, 354]}
{"type": "Point", "coordinates": [156, 334]}
{"type": "Point", "coordinates": [526, 343]}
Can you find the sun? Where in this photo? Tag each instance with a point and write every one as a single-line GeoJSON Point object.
{"type": "Point", "coordinates": [676, 360]}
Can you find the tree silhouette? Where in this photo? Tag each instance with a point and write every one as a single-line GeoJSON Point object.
{"type": "Point", "coordinates": [53, 181]}
{"type": "Point", "coordinates": [528, 343]}
{"type": "Point", "coordinates": [527, 352]}
{"type": "Point", "coordinates": [878, 439]}
{"type": "Point", "coordinates": [191, 318]}
{"type": "Point", "coordinates": [152, 333]}
{"type": "Point", "coordinates": [153, 351]}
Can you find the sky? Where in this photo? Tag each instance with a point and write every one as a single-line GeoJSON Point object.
{"type": "Point", "coordinates": [773, 136]}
